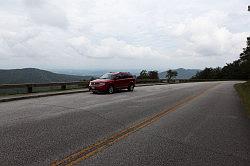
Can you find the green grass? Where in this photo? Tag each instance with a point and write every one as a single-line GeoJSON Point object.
{"type": "Point", "coordinates": [244, 92]}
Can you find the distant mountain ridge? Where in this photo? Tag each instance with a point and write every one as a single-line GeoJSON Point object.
{"type": "Point", "coordinates": [33, 75]}
{"type": "Point", "coordinates": [94, 72]}
{"type": "Point", "coordinates": [182, 73]}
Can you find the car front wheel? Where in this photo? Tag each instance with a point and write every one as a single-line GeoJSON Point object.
{"type": "Point", "coordinates": [131, 87]}
{"type": "Point", "coordinates": [111, 89]}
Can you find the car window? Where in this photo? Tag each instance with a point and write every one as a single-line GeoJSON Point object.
{"type": "Point", "coordinates": [106, 76]}
{"type": "Point", "coordinates": [120, 76]}
{"type": "Point", "coordinates": [123, 76]}
{"type": "Point", "coordinates": [127, 75]}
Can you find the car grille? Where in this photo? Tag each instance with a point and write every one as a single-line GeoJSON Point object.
{"type": "Point", "coordinates": [94, 83]}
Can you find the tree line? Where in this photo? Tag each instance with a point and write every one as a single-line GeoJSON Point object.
{"type": "Point", "coordinates": [239, 69]}
{"type": "Point", "coordinates": [144, 74]}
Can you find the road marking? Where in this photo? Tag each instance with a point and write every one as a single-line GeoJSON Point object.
{"type": "Point", "coordinates": [91, 150]}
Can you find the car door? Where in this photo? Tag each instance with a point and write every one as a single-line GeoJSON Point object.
{"type": "Point", "coordinates": [126, 80]}
{"type": "Point", "coordinates": [118, 81]}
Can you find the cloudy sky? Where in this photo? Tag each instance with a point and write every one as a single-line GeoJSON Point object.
{"type": "Point", "coordinates": [121, 34]}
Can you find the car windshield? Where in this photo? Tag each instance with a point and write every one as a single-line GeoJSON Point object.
{"type": "Point", "coordinates": [106, 76]}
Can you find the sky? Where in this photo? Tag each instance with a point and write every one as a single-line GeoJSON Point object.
{"type": "Point", "coordinates": [122, 34]}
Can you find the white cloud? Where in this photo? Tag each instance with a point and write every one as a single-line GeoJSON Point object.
{"type": "Point", "coordinates": [83, 33]}
{"type": "Point", "coordinates": [45, 13]}
{"type": "Point", "coordinates": [111, 48]}
{"type": "Point", "coordinates": [207, 35]}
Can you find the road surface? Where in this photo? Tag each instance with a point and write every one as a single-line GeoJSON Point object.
{"type": "Point", "coordinates": [178, 124]}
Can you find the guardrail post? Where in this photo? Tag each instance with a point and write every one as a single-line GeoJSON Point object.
{"type": "Point", "coordinates": [63, 87]}
{"type": "Point", "coordinates": [29, 89]}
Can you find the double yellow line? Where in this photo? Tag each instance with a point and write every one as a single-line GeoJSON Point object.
{"type": "Point", "coordinates": [98, 146]}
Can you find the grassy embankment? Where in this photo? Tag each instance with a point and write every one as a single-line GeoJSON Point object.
{"type": "Point", "coordinates": [243, 90]}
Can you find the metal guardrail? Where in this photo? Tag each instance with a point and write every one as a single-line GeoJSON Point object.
{"type": "Point", "coordinates": [63, 85]}
{"type": "Point", "coordinates": [30, 87]}
{"type": "Point", "coordinates": [142, 81]}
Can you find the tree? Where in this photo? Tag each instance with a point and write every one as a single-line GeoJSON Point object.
{"type": "Point", "coordinates": [244, 61]}
{"type": "Point", "coordinates": [171, 74]}
{"type": "Point", "coordinates": [209, 73]}
{"type": "Point", "coordinates": [238, 69]}
{"type": "Point", "coordinates": [153, 74]}
{"type": "Point", "coordinates": [143, 74]}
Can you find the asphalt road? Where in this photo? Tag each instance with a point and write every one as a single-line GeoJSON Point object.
{"type": "Point", "coordinates": [191, 124]}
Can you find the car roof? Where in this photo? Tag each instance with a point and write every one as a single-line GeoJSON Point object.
{"type": "Point", "coordinates": [114, 73]}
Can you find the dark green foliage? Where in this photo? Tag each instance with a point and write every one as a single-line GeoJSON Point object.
{"type": "Point", "coordinates": [245, 60]}
{"type": "Point", "coordinates": [144, 74]}
{"type": "Point", "coordinates": [209, 73]}
{"type": "Point", "coordinates": [153, 74]}
{"type": "Point", "coordinates": [239, 69]}
{"type": "Point", "coordinates": [182, 73]}
{"type": "Point", "coordinates": [171, 74]}
{"type": "Point", "coordinates": [244, 91]}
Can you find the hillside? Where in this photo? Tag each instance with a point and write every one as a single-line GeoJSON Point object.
{"type": "Point", "coordinates": [182, 73]}
{"type": "Point", "coordinates": [33, 75]}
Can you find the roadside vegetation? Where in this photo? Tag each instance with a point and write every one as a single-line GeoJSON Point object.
{"type": "Point", "coordinates": [244, 92]}
{"type": "Point", "coordinates": [153, 76]}
{"type": "Point", "coordinates": [148, 77]}
{"type": "Point", "coordinates": [171, 74]}
{"type": "Point", "coordinates": [238, 70]}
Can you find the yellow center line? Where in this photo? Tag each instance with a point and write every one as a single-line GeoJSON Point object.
{"type": "Point", "coordinates": [98, 146]}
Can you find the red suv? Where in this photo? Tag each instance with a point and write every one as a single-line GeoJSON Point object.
{"type": "Point", "coordinates": [112, 81]}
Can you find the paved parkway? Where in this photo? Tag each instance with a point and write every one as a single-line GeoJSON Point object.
{"type": "Point", "coordinates": [179, 124]}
